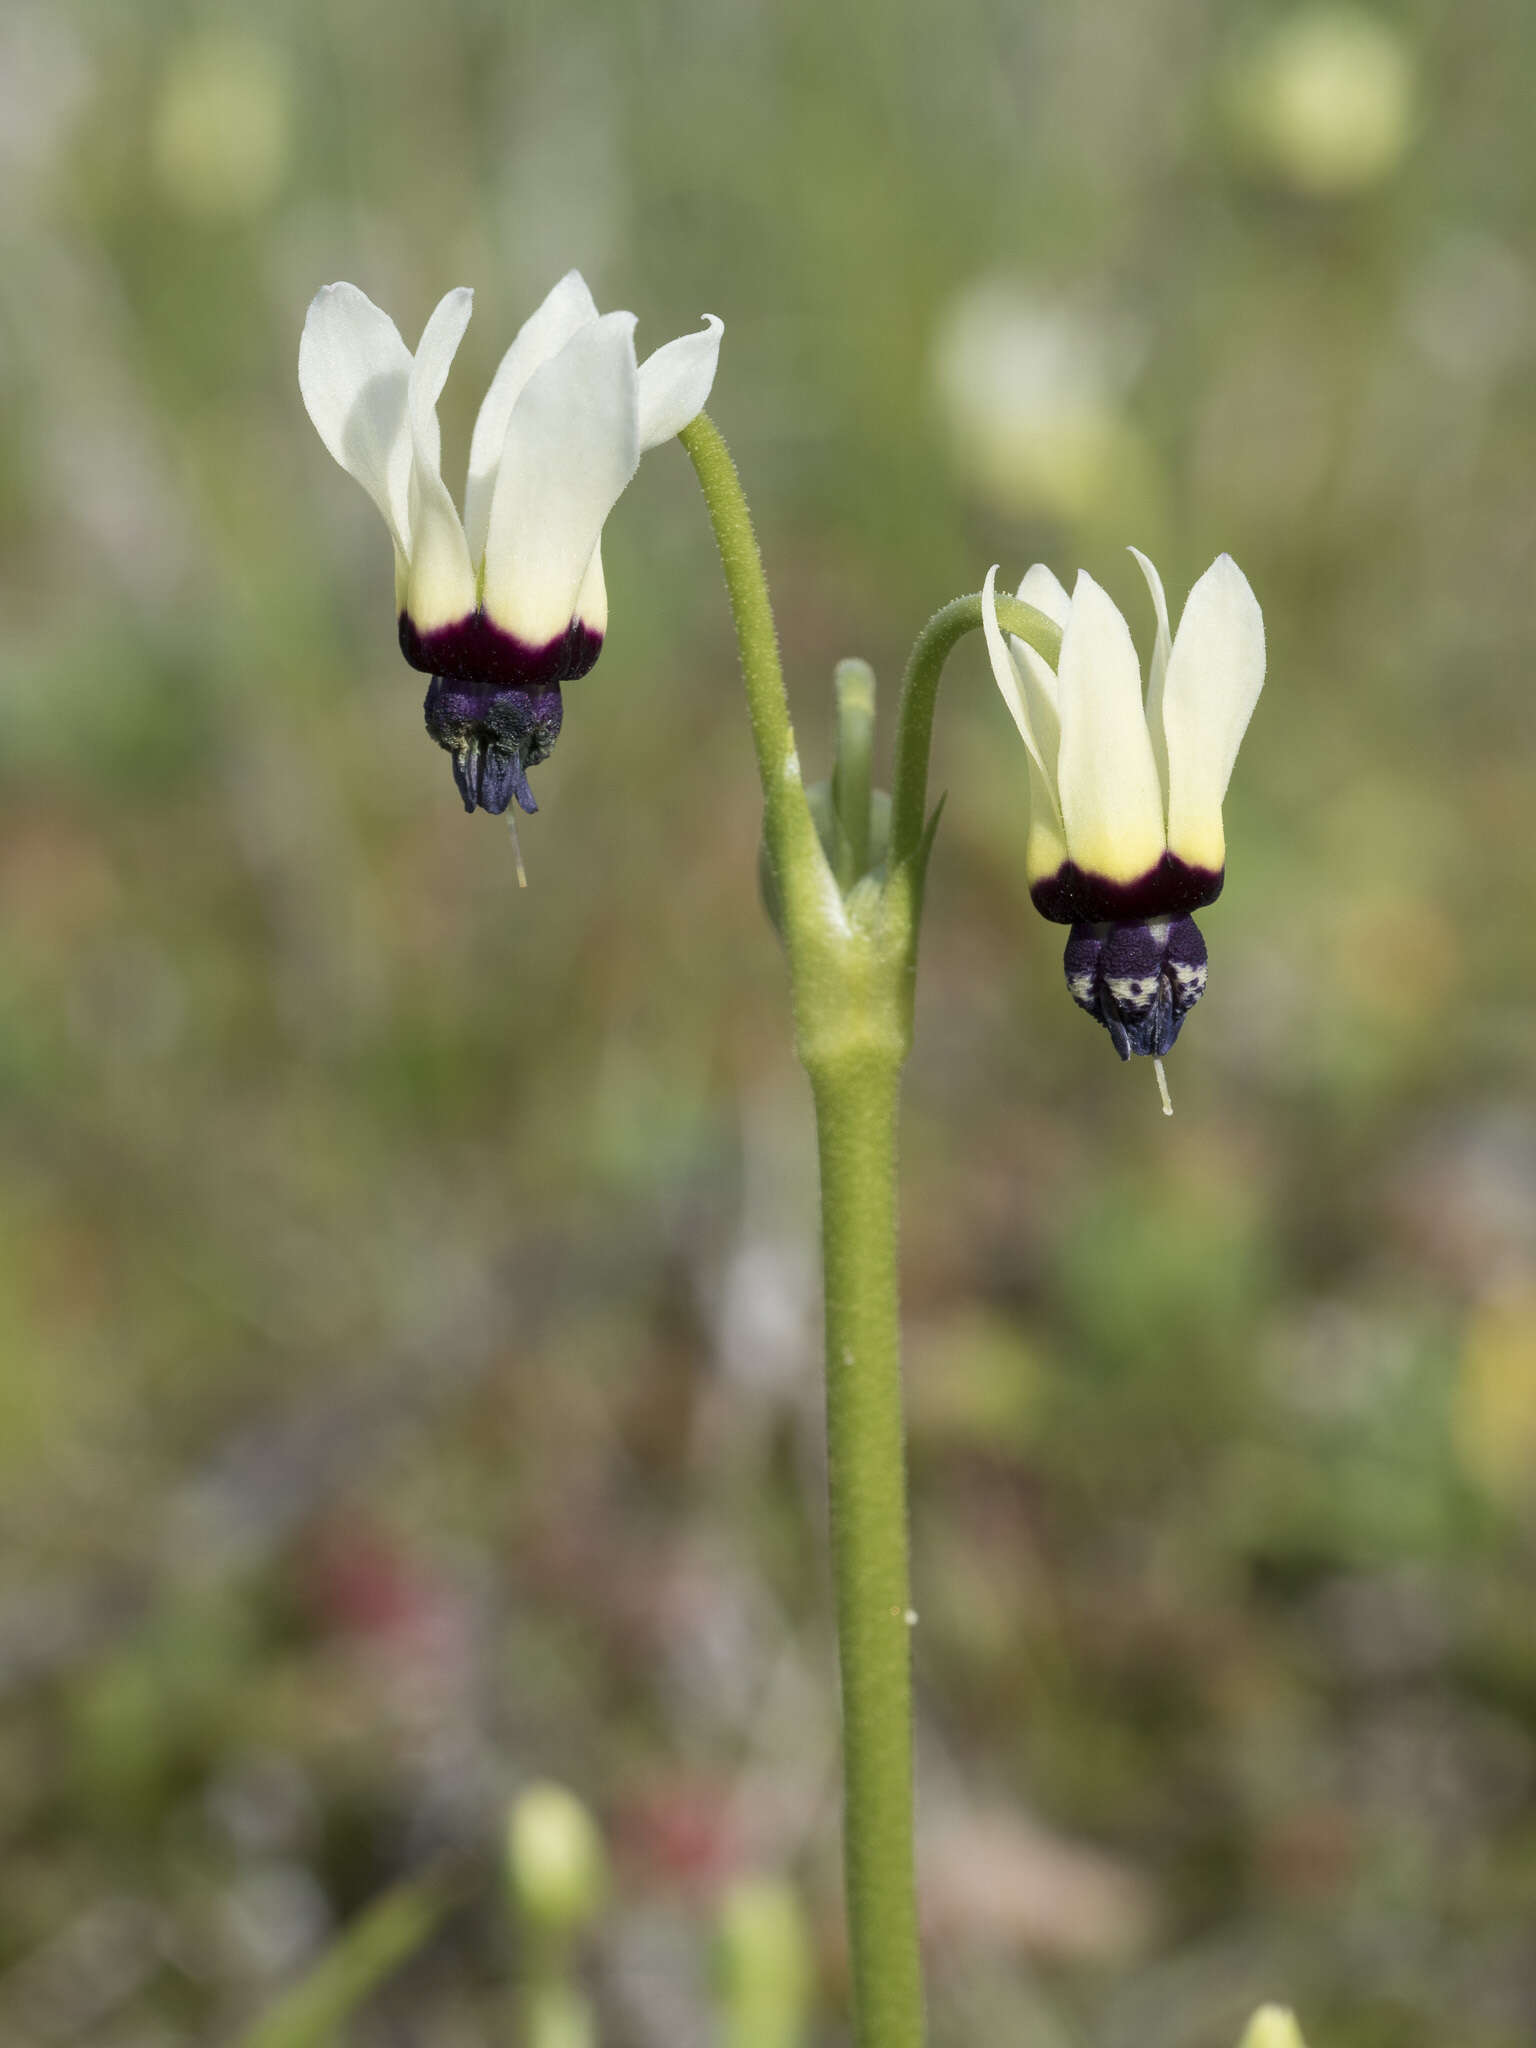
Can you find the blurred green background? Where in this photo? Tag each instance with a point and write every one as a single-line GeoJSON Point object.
{"type": "Point", "coordinates": [407, 1284]}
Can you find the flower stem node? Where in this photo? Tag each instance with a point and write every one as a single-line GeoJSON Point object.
{"type": "Point", "coordinates": [1140, 980]}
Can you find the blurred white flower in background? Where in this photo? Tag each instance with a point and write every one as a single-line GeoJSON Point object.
{"type": "Point", "coordinates": [45, 80]}
{"type": "Point", "coordinates": [1032, 392]}
{"type": "Point", "coordinates": [221, 126]}
{"type": "Point", "coordinates": [1471, 308]}
{"type": "Point", "coordinates": [1324, 102]}
{"type": "Point", "coordinates": [546, 198]}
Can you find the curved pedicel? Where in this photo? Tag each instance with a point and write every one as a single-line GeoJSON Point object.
{"type": "Point", "coordinates": [1172, 888]}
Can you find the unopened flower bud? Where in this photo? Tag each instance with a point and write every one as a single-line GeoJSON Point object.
{"type": "Point", "coordinates": [1323, 102]}
{"type": "Point", "coordinates": [555, 1859]}
{"type": "Point", "coordinates": [764, 1963]}
{"type": "Point", "coordinates": [1272, 2026]}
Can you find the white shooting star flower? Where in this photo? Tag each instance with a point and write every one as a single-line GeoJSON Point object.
{"type": "Point", "coordinates": [502, 607]}
{"type": "Point", "coordinates": [1125, 833]}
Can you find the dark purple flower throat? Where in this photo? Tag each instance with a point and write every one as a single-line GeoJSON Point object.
{"type": "Point", "coordinates": [494, 704]}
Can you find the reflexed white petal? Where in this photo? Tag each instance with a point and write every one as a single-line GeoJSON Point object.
{"type": "Point", "coordinates": [568, 307]}
{"type": "Point", "coordinates": [1042, 588]}
{"type": "Point", "coordinates": [1046, 847]}
{"type": "Point", "coordinates": [1111, 804]}
{"type": "Point", "coordinates": [1215, 673]}
{"type": "Point", "coordinates": [441, 584]}
{"type": "Point", "coordinates": [572, 445]}
{"type": "Point", "coordinates": [1033, 713]}
{"type": "Point", "coordinates": [675, 383]}
{"type": "Point", "coordinates": [592, 598]}
{"type": "Point", "coordinates": [430, 365]}
{"type": "Point", "coordinates": [1003, 670]}
{"type": "Point", "coordinates": [354, 373]}
{"type": "Point", "coordinates": [1157, 673]}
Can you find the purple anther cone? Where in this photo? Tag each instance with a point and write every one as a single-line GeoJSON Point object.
{"type": "Point", "coordinates": [1139, 980]}
{"type": "Point", "coordinates": [495, 733]}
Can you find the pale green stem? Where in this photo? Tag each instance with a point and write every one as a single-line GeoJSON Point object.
{"type": "Point", "coordinates": [556, 2012]}
{"type": "Point", "coordinates": [312, 2012]}
{"type": "Point", "coordinates": [851, 985]}
{"type": "Point", "coordinates": [856, 1103]}
{"type": "Point", "coordinates": [788, 827]}
{"type": "Point", "coordinates": [919, 694]}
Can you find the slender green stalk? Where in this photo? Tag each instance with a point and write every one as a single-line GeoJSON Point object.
{"type": "Point", "coordinates": [866, 1456]}
{"type": "Point", "coordinates": [850, 969]}
{"type": "Point", "coordinates": [919, 694]}
{"type": "Point", "coordinates": [751, 607]}
{"type": "Point", "coordinates": [787, 825]}
{"type": "Point", "coordinates": [851, 937]}
{"type": "Point", "coordinates": [312, 2012]}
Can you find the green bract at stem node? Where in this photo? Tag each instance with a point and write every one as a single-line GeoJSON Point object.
{"type": "Point", "coordinates": [854, 685]}
{"type": "Point", "coordinates": [853, 820]}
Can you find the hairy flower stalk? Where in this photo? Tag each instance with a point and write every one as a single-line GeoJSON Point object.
{"type": "Point", "coordinates": [845, 871]}
{"type": "Point", "coordinates": [850, 945]}
{"type": "Point", "coordinates": [1125, 839]}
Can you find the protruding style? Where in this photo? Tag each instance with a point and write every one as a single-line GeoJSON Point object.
{"type": "Point", "coordinates": [1125, 833]}
{"type": "Point", "coordinates": [504, 606]}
